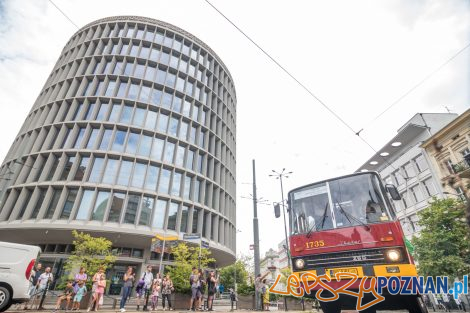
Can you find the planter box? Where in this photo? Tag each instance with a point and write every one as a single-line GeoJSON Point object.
{"type": "Point", "coordinates": [246, 302]}
{"type": "Point", "coordinates": [179, 301]}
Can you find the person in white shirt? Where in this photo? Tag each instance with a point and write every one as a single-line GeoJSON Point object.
{"type": "Point", "coordinates": [147, 277]}
{"type": "Point", "coordinates": [43, 283]}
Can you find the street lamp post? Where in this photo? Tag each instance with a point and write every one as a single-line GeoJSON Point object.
{"type": "Point", "coordinates": [277, 175]}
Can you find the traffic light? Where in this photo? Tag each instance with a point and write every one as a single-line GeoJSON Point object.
{"type": "Point", "coordinates": [277, 210]}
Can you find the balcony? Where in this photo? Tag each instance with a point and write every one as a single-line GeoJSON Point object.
{"type": "Point", "coordinates": [463, 168]}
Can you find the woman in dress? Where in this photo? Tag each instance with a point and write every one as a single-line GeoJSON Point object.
{"type": "Point", "coordinates": [99, 285]}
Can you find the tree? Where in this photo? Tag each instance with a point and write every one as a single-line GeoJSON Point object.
{"type": "Point", "coordinates": [89, 252]}
{"type": "Point", "coordinates": [443, 247]}
{"type": "Point", "coordinates": [228, 274]}
{"type": "Point", "coordinates": [187, 257]}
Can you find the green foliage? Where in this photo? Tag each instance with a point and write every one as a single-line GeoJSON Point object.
{"type": "Point", "coordinates": [443, 247]}
{"type": "Point", "coordinates": [89, 252]}
{"type": "Point", "coordinates": [186, 257]}
{"type": "Point", "coordinates": [228, 273]}
{"type": "Point", "coordinates": [285, 274]}
{"type": "Point", "coordinates": [246, 290]}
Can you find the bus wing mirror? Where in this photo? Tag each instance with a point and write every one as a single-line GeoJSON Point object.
{"type": "Point", "coordinates": [393, 191]}
{"type": "Point", "coordinates": [277, 210]}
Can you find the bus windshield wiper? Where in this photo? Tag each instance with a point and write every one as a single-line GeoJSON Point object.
{"type": "Point", "coordinates": [309, 233]}
{"type": "Point", "coordinates": [352, 217]}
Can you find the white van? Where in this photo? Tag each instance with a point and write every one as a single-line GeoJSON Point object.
{"type": "Point", "coordinates": [16, 263]}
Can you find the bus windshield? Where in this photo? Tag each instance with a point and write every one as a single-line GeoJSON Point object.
{"type": "Point", "coordinates": [343, 202]}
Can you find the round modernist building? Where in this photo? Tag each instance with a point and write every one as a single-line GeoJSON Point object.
{"type": "Point", "coordinates": [133, 135]}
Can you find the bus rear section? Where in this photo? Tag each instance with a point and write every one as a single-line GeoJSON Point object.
{"type": "Point", "coordinates": [348, 225]}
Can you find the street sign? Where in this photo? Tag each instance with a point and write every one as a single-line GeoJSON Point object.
{"type": "Point", "coordinates": [252, 247]}
{"type": "Point", "coordinates": [189, 237]}
{"type": "Point", "coordinates": [204, 244]}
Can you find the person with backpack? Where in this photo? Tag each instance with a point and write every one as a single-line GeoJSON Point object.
{"type": "Point", "coordinates": [194, 283]}
{"type": "Point", "coordinates": [147, 278]}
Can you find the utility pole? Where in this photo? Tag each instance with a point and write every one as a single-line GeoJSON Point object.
{"type": "Point", "coordinates": [256, 238]}
{"type": "Point", "coordinates": [280, 176]}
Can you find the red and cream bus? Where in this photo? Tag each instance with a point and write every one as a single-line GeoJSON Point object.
{"type": "Point", "coordinates": [348, 224]}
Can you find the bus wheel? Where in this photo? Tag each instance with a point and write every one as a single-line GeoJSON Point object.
{"type": "Point", "coordinates": [417, 305]}
{"type": "Point", "coordinates": [330, 307]}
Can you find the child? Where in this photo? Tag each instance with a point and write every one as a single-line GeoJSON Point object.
{"type": "Point", "coordinates": [81, 290]}
{"type": "Point", "coordinates": [155, 293]}
{"type": "Point", "coordinates": [67, 295]}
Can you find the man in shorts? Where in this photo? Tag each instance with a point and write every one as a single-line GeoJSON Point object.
{"type": "Point", "coordinates": [194, 282]}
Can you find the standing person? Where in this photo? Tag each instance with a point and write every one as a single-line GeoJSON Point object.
{"type": "Point", "coordinates": [44, 281]}
{"type": "Point", "coordinates": [201, 289]}
{"type": "Point", "coordinates": [33, 279]}
{"type": "Point", "coordinates": [80, 276]}
{"type": "Point", "coordinates": [156, 292]}
{"type": "Point", "coordinates": [259, 288]}
{"type": "Point", "coordinates": [194, 283]}
{"type": "Point", "coordinates": [211, 290]}
{"type": "Point", "coordinates": [147, 277]}
{"type": "Point", "coordinates": [265, 292]}
{"type": "Point", "coordinates": [167, 288]}
{"type": "Point", "coordinates": [81, 291]}
{"type": "Point", "coordinates": [128, 279]}
{"type": "Point", "coordinates": [99, 285]}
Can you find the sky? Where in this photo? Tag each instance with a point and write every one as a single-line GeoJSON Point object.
{"type": "Point", "coordinates": [357, 57]}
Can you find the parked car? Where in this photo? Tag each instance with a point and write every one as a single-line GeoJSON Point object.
{"type": "Point", "coordinates": [16, 264]}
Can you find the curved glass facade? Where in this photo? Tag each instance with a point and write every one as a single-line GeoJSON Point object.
{"type": "Point", "coordinates": [134, 131]}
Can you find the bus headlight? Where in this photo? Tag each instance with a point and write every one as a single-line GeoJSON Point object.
{"type": "Point", "coordinates": [393, 255]}
{"type": "Point", "coordinates": [299, 264]}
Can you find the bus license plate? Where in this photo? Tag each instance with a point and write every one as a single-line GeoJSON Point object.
{"type": "Point", "coordinates": [352, 270]}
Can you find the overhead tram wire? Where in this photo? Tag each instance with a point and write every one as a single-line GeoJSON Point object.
{"type": "Point", "coordinates": [422, 81]}
{"type": "Point", "coordinates": [283, 69]}
{"type": "Point", "coordinates": [357, 133]}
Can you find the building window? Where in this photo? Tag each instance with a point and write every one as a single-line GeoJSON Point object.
{"type": "Point", "coordinates": [40, 200]}
{"type": "Point", "coordinates": [68, 205]}
{"type": "Point", "coordinates": [110, 172]}
{"type": "Point", "coordinates": [85, 205]}
{"type": "Point", "coordinates": [450, 166]}
{"type": "Point", "coordinates": [420, 163]}
{"type": "Point", "coordinates": [195, 220]}
{"type": "Point", "coordinates": [172, 216]}
{"type": "Point", "coordinates": [138, 178]}
{"type": "Point", "coordinates": [416, 194]}
{"type": "Point", "coordinates": [184, 219]}
{"type": "Point", "coordinates": [131, 209]}
{"type": "Point", "coordinates": [53, 204]}
{"type": "Point", "coordinates": [100, 206]}
{"type": "Point", "coordinates": [429, 188]}
{"type": "Point", "coordinates": [146, 210]}
{"type": "Point", "coordinates": [116, 207]}
{"type": "Point", "coordinates": [460, 192]}
{"type": "Point", "coordinates": [159, 216]}
{"type": "Point", "coordinates": [68, 165]}
{"type": "Point", "coordinates": [409, 170]}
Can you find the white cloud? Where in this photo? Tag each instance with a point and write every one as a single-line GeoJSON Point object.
{"type": "Point", "coordinates": [357, 56]}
